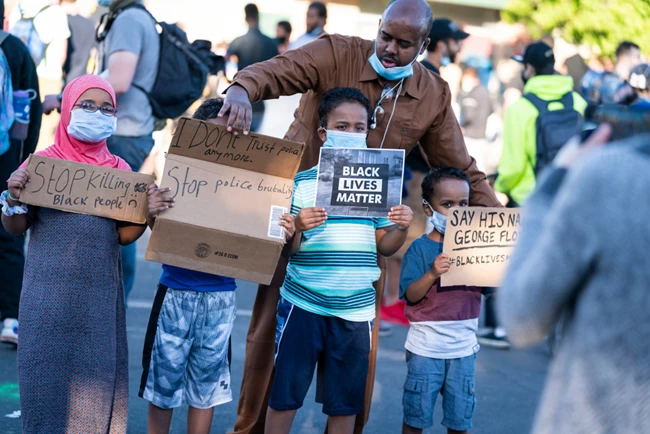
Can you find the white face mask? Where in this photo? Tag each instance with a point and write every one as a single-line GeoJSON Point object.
{"type": "Point", "coordinates": [438, 220]}
{"type": "Point", "coordinates": [91, 127]}
{"type": "Point", "coordinates": [340, 139]}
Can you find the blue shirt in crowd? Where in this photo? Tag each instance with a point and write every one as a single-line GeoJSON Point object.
{"type": "Point", "coordinates": [190, 280]}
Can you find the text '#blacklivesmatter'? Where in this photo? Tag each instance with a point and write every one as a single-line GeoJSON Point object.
{"type": "Point", "coordinates": [360, 184]}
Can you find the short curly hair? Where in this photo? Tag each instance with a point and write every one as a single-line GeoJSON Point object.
{"type": "Point", "coordinates": [209, 109]}
{"type": "Point", "coordinates": [340, 95]}
{"type": "Point", "coordinates": [435, 176]}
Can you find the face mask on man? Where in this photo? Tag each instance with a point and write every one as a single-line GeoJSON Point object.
{"type": "Point", "coordinates": [438, 220]}
{"type": "Point", "coordinates": [340, 139]}
{"type": "Point", "coordinates": [105, 3]}
{"type": "Point", "coordinates": [395, 73]}
{"type": "Point", "coordinates": [91, 127]}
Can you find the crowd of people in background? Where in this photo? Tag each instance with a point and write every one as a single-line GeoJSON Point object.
{"type": "Point", "coordinates": [87, 92]}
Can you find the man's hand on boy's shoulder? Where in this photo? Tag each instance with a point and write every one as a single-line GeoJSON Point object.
{"type": "Point", "coordinates": [309, 218]}
{"type": "Point", "coordinates": [402, 216]}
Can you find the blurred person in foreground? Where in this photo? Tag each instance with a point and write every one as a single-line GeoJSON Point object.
{"type": "Point", "coordinates": [22, 74]}
{"type": "Point", "coordinates": [410, 105]}
{"type": "Point", "coordinates": [316, 20]}
{"type": "Point", "coordinates": [535, 127]}
{"type": "Point", "coordinates": [446, 41]}
{"type": "Point", "coordinates": [251, 48]}
{"type": "Point", "coordinates": [283, 35]}
{"type": "Point", "coordinates": [582, 256]}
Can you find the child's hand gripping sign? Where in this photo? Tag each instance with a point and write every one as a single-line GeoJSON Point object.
{"type": "Point", "coordinates": [479, 242]}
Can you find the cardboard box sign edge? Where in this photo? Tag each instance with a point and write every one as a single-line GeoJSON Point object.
{"type": "Point", "coordinates": [268, 169]}
{"type": "Point", "coordinates": [33, 199]}
{"type": "Point", "coordinates": [168, 257]}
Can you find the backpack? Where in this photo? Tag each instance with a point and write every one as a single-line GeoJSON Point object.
{"type": "Point", "coordinates": [25, 30]}
{"type": "Point", "coordinates": [182, 69]}
{"type": "Point", "coordinates": [553, 128]}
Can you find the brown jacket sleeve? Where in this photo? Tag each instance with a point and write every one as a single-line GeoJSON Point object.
{"type": "Point", "coordinates": [443, 144]}
{"type": "Point", "coordinates": [295, 71]}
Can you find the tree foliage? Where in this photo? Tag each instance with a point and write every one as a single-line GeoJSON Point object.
{"type": "Point", "coordinates": [600, 23]}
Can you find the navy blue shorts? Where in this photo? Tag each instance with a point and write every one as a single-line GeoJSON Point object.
{"type": "Point", "coordinates": [339, 347]}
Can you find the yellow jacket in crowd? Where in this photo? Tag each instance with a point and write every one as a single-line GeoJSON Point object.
{"type": "Point", "coordinates": [517, 168]}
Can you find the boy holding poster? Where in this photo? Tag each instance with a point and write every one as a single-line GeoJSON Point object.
{"type": "Point", "coordinates": [327, 301]}
{"type": "Point", "coordinates": [186, 357]}
{"type": "Point", "coordinates": [441, 344]}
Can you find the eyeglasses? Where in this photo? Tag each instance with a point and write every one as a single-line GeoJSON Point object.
{"type": "Point", "coordinates": [89, 107]}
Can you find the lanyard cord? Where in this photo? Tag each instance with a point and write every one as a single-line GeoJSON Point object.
{"type": "Point", "coordinates": [399, 91]}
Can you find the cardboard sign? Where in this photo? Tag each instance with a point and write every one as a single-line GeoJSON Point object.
{"type": "Point", "coordinates": [479, 243]}
{"type": "Point", "coordinates": [87, 189]}
{"type": "Point", "coordinates": [359, 182]}
{"type": "Point", "coordinates": [230, 193]}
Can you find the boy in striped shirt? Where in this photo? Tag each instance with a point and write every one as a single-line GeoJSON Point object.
{"type": "Point", "coordinates": [327, 302]}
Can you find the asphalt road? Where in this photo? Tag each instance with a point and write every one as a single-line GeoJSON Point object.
{"type": "Point", "coordinates": [508, 383]}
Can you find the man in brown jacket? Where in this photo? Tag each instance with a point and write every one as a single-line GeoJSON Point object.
{"type": "Point", "coordinates": [411, 105]}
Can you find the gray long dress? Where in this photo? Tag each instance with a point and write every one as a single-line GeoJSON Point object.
{"type": "Point", "coordinates": [72, 356]}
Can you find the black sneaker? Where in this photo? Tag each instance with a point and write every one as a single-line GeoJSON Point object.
{"type": "Point", "coordinates": [492, 341]}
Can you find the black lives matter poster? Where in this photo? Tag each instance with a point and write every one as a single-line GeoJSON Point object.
{"type": "Point", "coordinates": [359, 182]}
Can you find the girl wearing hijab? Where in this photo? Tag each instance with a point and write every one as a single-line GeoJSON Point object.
{"type": "Point", "coordinates": [72, 358]}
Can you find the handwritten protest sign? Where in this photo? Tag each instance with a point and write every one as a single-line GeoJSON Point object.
{"type": "Point", "coordinates": [230, 193]}
{"type": "Point", "coordinates": [86, 189]}
{"type": "Point", "coordinates": [479, 242]}
{"type": "Point", "coordinates": [359, 182]}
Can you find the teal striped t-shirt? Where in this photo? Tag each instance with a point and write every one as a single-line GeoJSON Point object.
{"type": "Point", "coordinates": [333, 271]}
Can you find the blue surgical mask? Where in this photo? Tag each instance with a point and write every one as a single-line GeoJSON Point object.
{"type": "Point", "coordinates": [395, 73]}
{"type": "Point", "coordinates": [445, 60]}
{"type": "Point", "coordinates": [340, 139]}
{"type": "Point", "coordinates": [438, 220]}
{"type": "Point", "coordinates": [91, 127]}
{"type": "Point", "coordinates": [105, 3]}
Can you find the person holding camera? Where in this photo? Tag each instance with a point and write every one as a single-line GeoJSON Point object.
{"type": "Point", "coordinates": [582, 256]}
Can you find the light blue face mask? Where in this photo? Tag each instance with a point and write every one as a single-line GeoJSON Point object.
{"type": "Point", "coordinates": [395, 73]}
{"type": "Point", "coordinates": [445, 60]}
{"type": "Point", "coordinates": [105, 3]}
{"type": "Point", "coordinates": [340, 139]}
{"type": "Point", "coordinates": [91, 127]}
{"type": "Point", "coordinates": [438, 220]}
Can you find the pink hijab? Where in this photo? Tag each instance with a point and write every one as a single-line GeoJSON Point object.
{"type": "Point", "coordinates": [68, 148]}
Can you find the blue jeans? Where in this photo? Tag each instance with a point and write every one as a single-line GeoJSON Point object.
{"type": "Point", "coordinates": [134, 150]}
{"type": "Point", "coordinates": [452, 378]}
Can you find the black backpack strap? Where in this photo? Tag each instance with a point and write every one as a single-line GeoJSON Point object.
{"type": "Point", "coordinates": [539, 103]}
{"type": "Point", "coordinates": [106, 21]}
